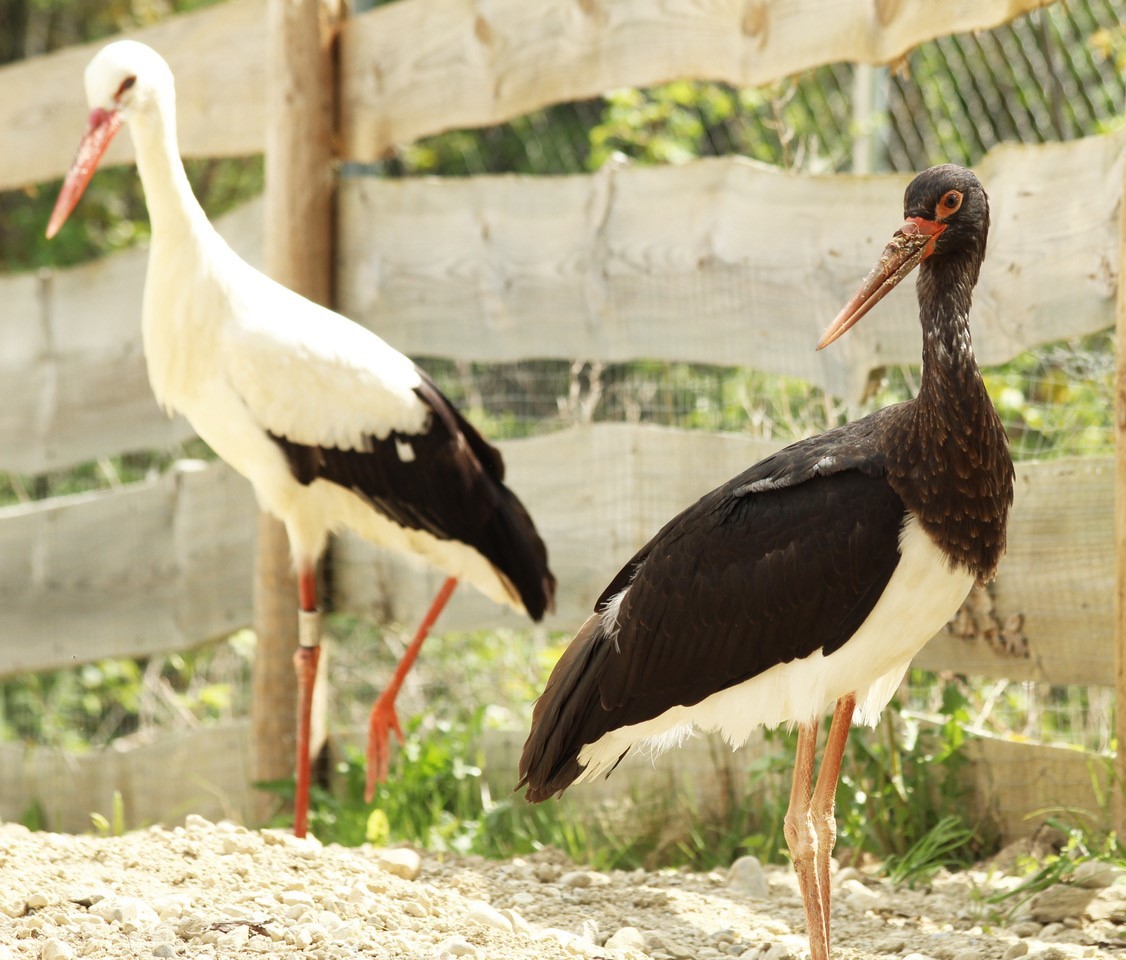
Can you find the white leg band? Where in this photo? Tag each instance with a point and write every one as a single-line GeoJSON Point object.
{"type": "Point", "coordinates": [309, 628]}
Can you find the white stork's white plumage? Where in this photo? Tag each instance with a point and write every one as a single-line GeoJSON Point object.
{"type": "Point", "coordinates": [333, 427]}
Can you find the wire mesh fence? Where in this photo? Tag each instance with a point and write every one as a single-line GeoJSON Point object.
{"type": "Point", "coordinates": [1051, 75]}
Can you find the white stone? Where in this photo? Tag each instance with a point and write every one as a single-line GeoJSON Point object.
{"type": "Point", "coordinates": [1015, 950]}
{"type": "Point", "coordinates": [455, 947]}
{"type": "Point", "coordinates": [131, 913]}
{"type": "Point", "coordinates": [1091, 874]}
{"type": "Point", "coordinates": [56, 950]}
{"type": "Point", "coordinates": [400, 861]}
{"type": "Point", "coordinates": [488, 915]}
{"type": "Point", "coordinates": [859, 897]}
{"type": "Point", "coordinates": [746, 876]}
{"type": "Point", "coordinates": [627, 938]}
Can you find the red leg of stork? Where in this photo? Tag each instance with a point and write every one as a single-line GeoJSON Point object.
{"type": "Point", "coordinates": [383, 718]}
{"type": "Point", "coordinates": [305, 661]}
{"type": "Point", "coordinates": [810, 825]}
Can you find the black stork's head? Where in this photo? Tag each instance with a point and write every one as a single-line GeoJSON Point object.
{"type": "Point", "coordinates": [946, 216]}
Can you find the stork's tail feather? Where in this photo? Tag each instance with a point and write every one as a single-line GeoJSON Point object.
{"type": "Point", "coordinates": [567, 716]}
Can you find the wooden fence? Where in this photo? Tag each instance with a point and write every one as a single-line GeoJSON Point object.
{"type": "Point", "coordinates": [604, 267]}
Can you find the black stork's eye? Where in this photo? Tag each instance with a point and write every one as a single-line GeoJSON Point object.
{"type": "Point", "coordinates": [125, 85]}
{"type": "Point", "coordinates": [950, 202]}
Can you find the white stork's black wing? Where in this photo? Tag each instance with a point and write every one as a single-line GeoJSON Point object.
{"type": "Point", "coordinates": [447, 480]}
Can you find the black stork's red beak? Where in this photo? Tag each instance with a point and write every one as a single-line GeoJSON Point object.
{"type": "Point", "coordinates": [100, 128]}
{"type": "Point", "coordinates": [910, 245]}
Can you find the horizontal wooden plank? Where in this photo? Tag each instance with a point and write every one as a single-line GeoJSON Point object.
{"type": "Point", "coordinates": [716, 261]}
{"type": "Point", "coordinates": [720, 261]}
{"type": "Point", "coordinates": [218, 56]}
{"type": "Point", "coordinates": [205, 771]}
{"type": "Point", "coordinates": [166, 565]}
{"type": "Point", "coordinates": [416, 68]}
{"type": "Point", "coordinates": [73, 364]}
{"type": "Point", "coordinates": [153, 567]}
{"type": "Point", "coordinates": [598, 493]}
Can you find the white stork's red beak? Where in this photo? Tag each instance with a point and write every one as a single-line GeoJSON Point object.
{"type": "Point", "coordinates": [100, 128]}
{"type": "Point", "coordinates": [910, 245]}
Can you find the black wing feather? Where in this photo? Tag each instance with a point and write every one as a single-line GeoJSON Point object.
{"type": "Point", "coordinates": [787, 558]}
{"type": "Point", "coordinates": [453, 488]}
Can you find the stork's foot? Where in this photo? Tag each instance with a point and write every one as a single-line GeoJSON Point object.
{"type": "Point", "coordinates": [381, 724]}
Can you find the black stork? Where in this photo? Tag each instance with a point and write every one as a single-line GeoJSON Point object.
{"type": "Point", "coordinates": [333, 427]}
{"type": "Point", "coordinates": [815, 576]}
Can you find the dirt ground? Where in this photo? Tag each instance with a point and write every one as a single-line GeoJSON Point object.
{"type": "Point", "coordinates": [209, 890]}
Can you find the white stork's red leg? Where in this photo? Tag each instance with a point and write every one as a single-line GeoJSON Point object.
{"type": "Point", "coordinates": [801, 838]}
{"type": "Point", "coordinates": [823, 807]}
{"type": "Point", "coordinates": [383, 718]}
{"type": "Point", "coordinates": [305, 661]}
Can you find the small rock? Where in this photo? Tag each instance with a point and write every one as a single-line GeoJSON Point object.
{"type": "Point", "coordinates": [402, 862]}
{"type": "Point", "coordinates": [658, 943]}
{"type": "Point", "coordinates": [858, 896]}
{"type": "Point", "coordinates": [488, 915]}
{"type": "Point", "coordinates": [37, 901]}
{"type": "Point", "coordinates": [968, 955]}
{"type": "Point", "coordinates": [1026, 928]}
{"type": "Point", "coordinates": [1060, 901]}
{"type": "Point", "coordinates": [164, 950]}
{"type": "Point", "coordinates": [131, 913]}
{"type": "Point", "coordinates": [778, 951]}
{"type": "Point", "coordinates": [56, 950]}
{"type": "Point", "coordinates": [1109, 904]}
{"type": "Point", "coordinates": [577, 879]}
{"type": "Point", "coordinates": [1094, 875]}
{"type": "Point", "coordinates": [847, 873]}
{"type": "Point", "coordinates": [918, 956]}
{"type": "Point", "coordinates": [1014, 951]}
{"type": "Point", "coordinates": [746, 877]}
{"type": "Point", "coordinates": [627, 938]}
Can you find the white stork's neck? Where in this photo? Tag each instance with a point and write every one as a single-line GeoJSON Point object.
{"type": "Point", "coordinates": [172, 206]}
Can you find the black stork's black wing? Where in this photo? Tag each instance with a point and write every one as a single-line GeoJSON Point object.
{"type": "Point", "coordinates": [451, 485]}
{"type": "Point", "coordinates": [785, 559]}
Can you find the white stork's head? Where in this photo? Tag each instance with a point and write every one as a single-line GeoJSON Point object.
{"type": "Point", "coordinates": [125, 80]}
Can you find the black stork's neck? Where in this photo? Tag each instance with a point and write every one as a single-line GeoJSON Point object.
{"type": "Point", "coordinates": [950, 460]}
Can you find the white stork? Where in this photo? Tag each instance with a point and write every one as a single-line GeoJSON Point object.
{"type": "Point", "coordinates": [334, 428]}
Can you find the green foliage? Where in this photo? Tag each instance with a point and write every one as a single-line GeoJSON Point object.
{"type": "Point", "coordinates": [899, 785]}
{"type": "Point", "coordinates": [1082, 842]}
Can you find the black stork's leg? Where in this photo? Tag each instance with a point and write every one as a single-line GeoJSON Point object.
{"type": "Point", "coordinates": [823, 807]}
{"type": "Point", "coordinates": [305, 661]}
{"type": "Point", "coordinates": [383, 718]}
{"type": "Point", "coordinates": [801, 838]}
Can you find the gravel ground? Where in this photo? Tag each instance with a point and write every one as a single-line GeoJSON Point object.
{"type": "Point", "coordinates": [207, 891]}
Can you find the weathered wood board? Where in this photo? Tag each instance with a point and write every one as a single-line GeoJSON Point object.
{"type": "Point", "coordinates": [167, 565]}
{"type": "Point", "coordinates": [153, 567]}
{"type": "Point", "coordinates": [72, 365]}
{"type": "Point", "coordinates": [719, 261]}
{"type": "Point", "coordinates": [416, 68]}
{"type": "Point", "coordinates": [419, 67]}
{"type": "Point", "coordinates": [206, 771]}
{"type": "Point", "coordinates": [217, 55]}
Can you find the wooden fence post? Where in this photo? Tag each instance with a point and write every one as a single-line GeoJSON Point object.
{"type": "Point", "coordinates": [300, 127]}
{"type": "Point", "coordinates": [1119, 810]}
